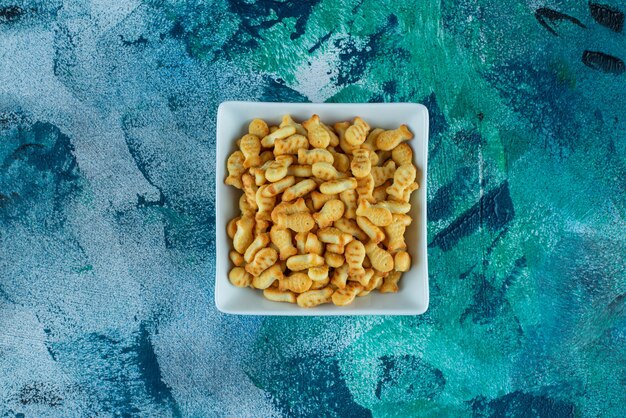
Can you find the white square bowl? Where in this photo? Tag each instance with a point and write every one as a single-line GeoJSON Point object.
{"type": "Point", "coordinates": [232, 122]}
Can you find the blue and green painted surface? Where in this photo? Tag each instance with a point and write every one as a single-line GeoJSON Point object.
{"type": "Point", "coordinates": [107, 120]}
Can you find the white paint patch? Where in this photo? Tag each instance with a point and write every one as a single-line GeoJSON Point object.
{"type": "Point", "coordinates": [314, 78]}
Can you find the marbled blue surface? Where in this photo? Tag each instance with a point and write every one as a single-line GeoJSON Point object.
{"type": "Point", "coordinates": [107, 149]}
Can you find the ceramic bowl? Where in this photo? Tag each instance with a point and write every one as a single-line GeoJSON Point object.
{"type": "Point", "coordinates": [232, 122]}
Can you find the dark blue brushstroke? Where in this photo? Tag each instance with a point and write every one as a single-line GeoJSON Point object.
{"type": "Point", "coordinates": [613, 338]}
{"type": "Point", "coordinates": [195, 25]}
{"type": "Point", "coordinates": [187, 224]}
{"type": "Point", "coordinates": [177, 30]}
{"type": "Point", "coordinates": [38, 163]}
{"type": "Point", "coordinates": [606, 63]}
{"type": "Point", "coordinates": [141, 41]}
{"type": "Point", "coordinates": [390, 87]}
{"type": "Point", "coordinates": [354, 60]}
{"type": "Point", "coordinates": [44, 147]}
{"type": "Point", "coordinates": [522, 405]}
{"type": "Point", "coordinates": [49, 347]}
{"type": "Point", "coordinates": [320, 42]}
{"type": "Point", "coordinates": [41, 394]}
{"type": "Point", "coordinates": [254, 17]}
{"type": "Point", "coordinates": [134, 149]}
{"type": "Point", "coordinates": [277, 91]}
{"type": "Point", "coordinates": [552, 103]}
{"type": "Point", "coordinates": [426, 381]}
{"type": "Point", "coordinates": [11, 119]}
{"type": "Point", "coordinates": [548, 17]}
{"type": "Point", "coordinates": [357, 6]}
{"type": "Point", "coordinates": [150, 371]}
{"type": "Point", "coordinates": [441, 206]}
{"type": "Point", "coordinates": [65, 58]}
{"type": "Point", "coordinates": [608, 16]}
{"type": "Point", "coordinates": [468, 139]}
{"type": "Point", "coordinates": [306, 386]}
{"type": "Point", "coordinates": [376, 98]}
{"type": "Point", "coordinates": [16, 14]}
{"type": "Point", "coordinates": [617, 307]}
{"type": "Point", "coordinates": [11, 14]}
{"type": "Point", "coordinates": [142, 202]}
{"type": "Point", "coordinates": [467, 273]}
{"type": "Point", "coordinates": [495, 242]}
{"type": "Point", "coordinates": [4, 295]}
{"type": "Point", "coordinates": [437, 124]}
{"type": "Point", "coordinates": [98, 350]}
{"type": "Point", "coordinates": [437, 120]}
{"type": "Point", "coordinates": [488, 301]}
{"type": "Point", "coordinates": [494, 210]}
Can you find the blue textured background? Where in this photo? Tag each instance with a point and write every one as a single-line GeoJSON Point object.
{"type": "Point", "coordinates": [107, 147]}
